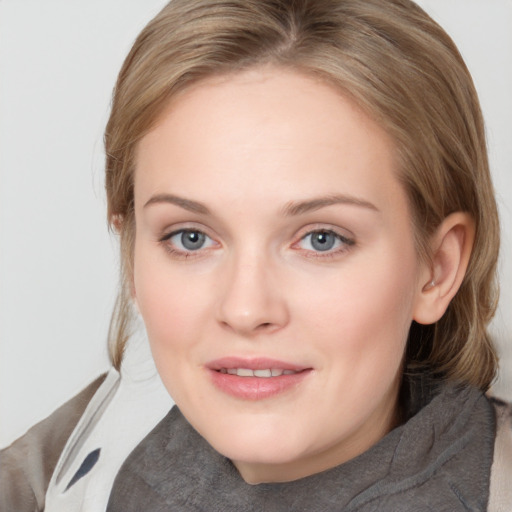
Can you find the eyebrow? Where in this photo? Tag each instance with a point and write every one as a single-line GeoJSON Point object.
{"type": "Point", "coordinates": [187, 204]}
{"type": "Point", "coordinates": [291, 209]}
{"type": "Point", "coordinates": [310, 205]}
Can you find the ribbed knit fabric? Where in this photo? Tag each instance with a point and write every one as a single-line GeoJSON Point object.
{"type": "Point", "coordinates": [439, 460]}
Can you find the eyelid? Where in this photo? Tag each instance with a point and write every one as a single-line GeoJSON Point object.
{"type": "Point", "coordinates": [177, 252]}
{"type": "Point", "coordinates": [170, 231]}
{"type": "Point", "coordinates": [343, 233]}
{"type": "Point", "coordinates": [346, 238]}
{"type": "Point", "coordinates": [347, 241]}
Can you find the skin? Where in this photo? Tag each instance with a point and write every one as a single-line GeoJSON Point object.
{"type": "Point", "coordinates": [246, 150]}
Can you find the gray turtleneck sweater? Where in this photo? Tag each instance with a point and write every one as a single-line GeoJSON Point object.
{"type": "Point", "coordinates": [438, 460]}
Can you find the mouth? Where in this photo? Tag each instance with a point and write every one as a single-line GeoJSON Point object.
{"type": "Point", "coordinates": [255, 379]}
{"type": "Point", "coordinates": [262, 374]}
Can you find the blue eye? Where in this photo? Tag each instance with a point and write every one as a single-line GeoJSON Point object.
{"type": "Point", "coordinates": [323, 241]}
{"type": "Point", "coordinates": [189, 240]}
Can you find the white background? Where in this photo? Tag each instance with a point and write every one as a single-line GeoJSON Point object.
{"type": "Point", "coordinates": [58, 264]}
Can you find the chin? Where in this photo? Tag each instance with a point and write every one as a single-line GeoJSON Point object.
{"type": "Point", "coordinates": [257, 443]}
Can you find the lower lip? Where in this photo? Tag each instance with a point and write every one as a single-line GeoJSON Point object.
{"type": "Point", "coordinates": [256, 388]}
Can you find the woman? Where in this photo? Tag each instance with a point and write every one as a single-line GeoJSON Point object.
{"type": "Point", "coordinates": [309, 232]}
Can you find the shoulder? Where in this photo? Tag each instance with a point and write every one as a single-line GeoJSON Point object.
{"type": "Point", "coordinates": [26, 466]}
{"type": "Point", "coordinates": [501, 472]}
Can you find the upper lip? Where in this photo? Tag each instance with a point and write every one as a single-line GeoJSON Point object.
{"type": "Point", "coordinates": [253, 363]}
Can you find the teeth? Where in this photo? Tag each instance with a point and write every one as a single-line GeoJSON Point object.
{"type": "Point", "coordinates": [265, 374]}
{"type": "Point", "coordinates": [244, 372]}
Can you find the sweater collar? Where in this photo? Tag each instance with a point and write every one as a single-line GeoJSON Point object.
{"type": "Point", "coordinates": [452, 434]}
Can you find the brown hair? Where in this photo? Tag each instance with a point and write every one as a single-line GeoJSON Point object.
{"type": "Point", "coordinates": [398, 65]}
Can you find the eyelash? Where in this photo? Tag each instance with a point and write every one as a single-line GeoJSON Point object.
{"type": "Point", "coordinates": [178, 253]}
{"type": "Point", "coordinates": [344, 244]}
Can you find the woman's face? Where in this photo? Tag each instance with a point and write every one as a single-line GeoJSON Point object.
{"type": "Point", "coordinates": [275, 270]}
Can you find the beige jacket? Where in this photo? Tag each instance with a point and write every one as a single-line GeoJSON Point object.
{"type": "Point", "coordinates": [27, 465]}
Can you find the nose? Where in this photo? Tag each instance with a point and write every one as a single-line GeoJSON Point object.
{"type": "Point", "coordinates": [251, 300]}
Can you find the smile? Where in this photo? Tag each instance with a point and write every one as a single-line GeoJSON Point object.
{"type": "Point", "coordinates": [256, 378]}
{"type": "Point", "coordinates": [265, 373]}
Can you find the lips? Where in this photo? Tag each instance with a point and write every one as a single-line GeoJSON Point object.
{"type": "Point", "coordinates": [255, 379]}
{"type": "Point", "coordinates": [264, 374]}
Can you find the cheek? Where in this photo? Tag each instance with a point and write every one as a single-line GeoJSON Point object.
{"type": "Point", "coordinates": [173, 312]}
{"type": "Point", "coordinates": [367, 312]}
{"type": "Point", "coordinates": [171, 302]}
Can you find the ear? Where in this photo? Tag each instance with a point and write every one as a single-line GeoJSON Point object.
{"type": "Point", "coordinates": [451, 249]}
{"type": "Point", "coordinates": [117, 221]}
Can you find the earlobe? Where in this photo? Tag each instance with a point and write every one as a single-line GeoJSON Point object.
{"type": "Point", "coordinates": [117, 221]}
{"type": "Point", "coordinates": [451, 250]}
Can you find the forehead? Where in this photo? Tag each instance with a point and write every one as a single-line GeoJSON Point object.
{"type": "Point", "coordinates": [263, 133]}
